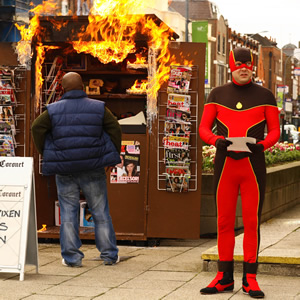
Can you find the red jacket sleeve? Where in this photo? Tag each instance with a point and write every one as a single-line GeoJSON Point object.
{"type": "Point", "coordinates": [207, 121]}
{"type": "Point", "coordinates": [273, 127]}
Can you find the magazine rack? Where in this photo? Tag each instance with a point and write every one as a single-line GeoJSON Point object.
{"type": "Point", "coordinates": [13, 110]}
{"type": "Point", "coordinates": [162, 176]}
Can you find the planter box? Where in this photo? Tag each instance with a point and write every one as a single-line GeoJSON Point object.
{"type": "Point", "coordinates": [282, 193]}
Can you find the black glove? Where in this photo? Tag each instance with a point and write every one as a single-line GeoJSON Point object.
{"type": "Point", "coordinates": [255, 148]}
{"type": "Point", "coordinates": [222, 144]}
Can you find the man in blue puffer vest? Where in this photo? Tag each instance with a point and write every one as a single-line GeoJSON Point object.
{"type": "Point", "coordinates": [78, 137]}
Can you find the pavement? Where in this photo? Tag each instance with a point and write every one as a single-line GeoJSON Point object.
{"type": "Point", "coordinates": [174, 270]}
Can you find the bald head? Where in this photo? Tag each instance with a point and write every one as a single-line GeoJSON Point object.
{"type": "Point", "coordinates": [72, 81]}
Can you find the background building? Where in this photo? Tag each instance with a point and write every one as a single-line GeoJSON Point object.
{"type": "Point", "coordinates": [12, 11]}
{"type": "Point", "coordinates": [209, 27]}
{"type": "Point", "coordinates": [274, 68]}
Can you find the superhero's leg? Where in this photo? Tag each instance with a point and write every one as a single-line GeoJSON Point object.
{"type": "Point", "coordinates": [226, 197]}
{"type": "Point", "coordinates": [252, 194]}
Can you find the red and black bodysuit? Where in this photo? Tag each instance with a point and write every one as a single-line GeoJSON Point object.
{"type": "Point", "coordinates": [240, 111]}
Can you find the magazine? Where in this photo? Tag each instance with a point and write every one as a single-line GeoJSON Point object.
{"type": "Point", "coordinates": [6, 113]}
{"type": "Point", "coordinates": [177, 157]}
{"type": "Point", "coordinates": [170, 142]}
{"type": "Point", "coordinates": [7, 96]}
{"type": "Point", "coordinates": [177, 178]}
{"type": "Point", "coordinates": [183, 116]}
{"type": "Point", "coordinates": [6, 73]}
{"type": "Point", "coordinates": [179, 79]}
{"type": "Point", "coordinates": [128, 171]}
{"type": "Point", "coordinates": [7, 128]}
{"type": "Point", "coordinates": [178, 101]}
{"type": "Point", "coordinates": [178, 114]}
{"type": "Point", "coordinates": [177, 128]}
{"type": "Point", "coordinates": [6, 145]}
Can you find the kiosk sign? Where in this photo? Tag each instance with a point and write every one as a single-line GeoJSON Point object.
{"type": "Point", "coordinates": [11, 208]}
{"type": "Point", "coordinates": [18, 237]}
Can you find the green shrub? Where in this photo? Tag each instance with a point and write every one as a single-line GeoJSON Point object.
{"type": "Point", "coordinates": [278, 154]}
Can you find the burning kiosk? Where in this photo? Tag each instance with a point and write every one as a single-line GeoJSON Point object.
{"type": "Point", "coordinates": [142, 208]}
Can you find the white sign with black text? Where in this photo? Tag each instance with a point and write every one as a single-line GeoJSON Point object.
{"type": "Point", "coordinates": [18, 234]}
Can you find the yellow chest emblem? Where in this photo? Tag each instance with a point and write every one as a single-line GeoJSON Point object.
{"type": "Point", "coordinates": [239, 105]}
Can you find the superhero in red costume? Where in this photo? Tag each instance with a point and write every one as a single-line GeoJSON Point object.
{"type": "Point", "coordinates": [241, 109]}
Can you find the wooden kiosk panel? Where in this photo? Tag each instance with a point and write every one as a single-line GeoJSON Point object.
{"type": "Point", "coordinates": [177, 215]}
{"type": "Point", "coordinates": [128, 201]}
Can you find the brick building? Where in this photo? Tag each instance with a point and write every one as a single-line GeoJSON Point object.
{"type": "Point", "coordinates": [217, 36]}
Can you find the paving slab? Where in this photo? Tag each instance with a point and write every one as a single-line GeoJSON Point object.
{"type": "Point", "coordinates": [132, 294]}
{"type": "Point", "coordinates": [173, 271]}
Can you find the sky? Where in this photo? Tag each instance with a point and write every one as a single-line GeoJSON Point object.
{"type": "Point", "coordinates": [281, 18]}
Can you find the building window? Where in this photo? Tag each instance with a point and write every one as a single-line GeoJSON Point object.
{"type": "Point", "coordinates": [223, 45]}
{"type": "Point", "coordinates": [222, 76]}
{"type": "Point", "coordinates": [219, 43]}
{"type": "Point", "coordinates": [277, 67]}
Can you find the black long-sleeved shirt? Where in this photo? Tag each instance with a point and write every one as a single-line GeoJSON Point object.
{"type": "Point", "coordinates": [42, 125]}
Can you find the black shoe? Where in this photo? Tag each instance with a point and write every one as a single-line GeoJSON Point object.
{"type": "Point", "coordinates": [251, 287]}
{"type": "Point", "coordinates": [223, 282]}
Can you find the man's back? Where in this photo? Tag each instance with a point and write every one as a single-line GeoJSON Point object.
{"type": "Point", "coordinates": [77, 141]}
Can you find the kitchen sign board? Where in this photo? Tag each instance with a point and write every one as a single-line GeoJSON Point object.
{"type": "Point", "coordinates": [18, 231]}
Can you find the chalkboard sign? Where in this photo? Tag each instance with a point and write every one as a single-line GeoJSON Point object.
{"type": "Point", "coordinates": [18, 232]}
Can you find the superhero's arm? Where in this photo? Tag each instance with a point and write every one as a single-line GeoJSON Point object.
{"type": "Point", "coordinates": [208, 117]}
{"type": "Point", "coordinates": [272, 119]}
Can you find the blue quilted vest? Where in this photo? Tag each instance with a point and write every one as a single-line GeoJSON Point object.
{"type": "Point", "coordinates": [77, 141]}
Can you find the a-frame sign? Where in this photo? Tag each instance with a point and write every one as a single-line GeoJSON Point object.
{"type": "Point", "coordinates": [18, 231]}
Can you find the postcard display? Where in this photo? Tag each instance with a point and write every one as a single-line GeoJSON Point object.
{"type": "Point", "coordinates": [177, 132]}
{"type": "Point", "coordinates": [10, 78]}
{"type": "Point", "coordinates": [128, 171]}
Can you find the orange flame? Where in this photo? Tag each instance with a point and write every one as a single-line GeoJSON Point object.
{"type": "Point", "coordinates": [138, 88]}
{"type": "Point", "coordinates": [139, 63]}
{"type": "Point", "coordinates": [110, 33]}
{"type": "Point", "coordinates": [183, 58]}
{"type": "Point", "coordinates": [23, 47]}
{"type": "Point", "coordinates": [140, 59]}
{"type": "Point", "coordinates": [40, 57]}
{"type": "Point", "coordinates": [58, 24]}
{"type": "Point", "coordinates": [159, 42]}
{"type": "Point", "coordinates": [110, 37]}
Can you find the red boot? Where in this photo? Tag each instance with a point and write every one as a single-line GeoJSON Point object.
{"type": "Point", "coordinates": [250, 285]}
{"type": "Point", "coordinates": [223, 282]}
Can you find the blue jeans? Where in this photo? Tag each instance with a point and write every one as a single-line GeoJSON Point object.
{"type": "Point", "coordinates": [93, 186]}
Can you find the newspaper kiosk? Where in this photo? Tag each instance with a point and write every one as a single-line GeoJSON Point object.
{"type": "Point", "coordinates": [142, 206]}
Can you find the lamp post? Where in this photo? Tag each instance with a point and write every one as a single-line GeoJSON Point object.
{"type": "Point", "coordinates": [282, 113]}
{"type": "Point", "coordinates": [186, 20]}
{"type": "Point", "coordinates": [283, 94]}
